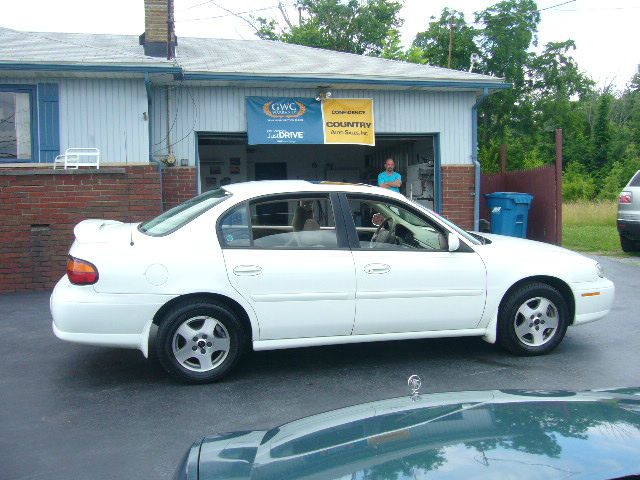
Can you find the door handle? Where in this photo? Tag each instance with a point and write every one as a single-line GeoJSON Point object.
{"type": "Point", "coordinates": [248, 270]}
{"type": "Point", "coordinates": [377, 268]}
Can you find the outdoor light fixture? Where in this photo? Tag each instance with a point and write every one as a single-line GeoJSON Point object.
{"type": "Point", "coordinates": [323, 93]}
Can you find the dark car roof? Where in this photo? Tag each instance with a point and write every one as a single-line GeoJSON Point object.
{"type": "Point", "coordinates": [497, 434]}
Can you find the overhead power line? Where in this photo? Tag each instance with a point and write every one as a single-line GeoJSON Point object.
{"type": "Point", "coordinates": [234, 14]}
{"type": "Point", "coordinates": [193, 6]}
{"type": "Point", "coordinates": [554, 6]}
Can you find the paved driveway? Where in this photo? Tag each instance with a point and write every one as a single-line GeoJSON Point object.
{"type": "Point", "coordinates": [70, 411]}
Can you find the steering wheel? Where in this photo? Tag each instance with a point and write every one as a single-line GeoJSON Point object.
{"type": "Point", "coordinates": [390, 227]}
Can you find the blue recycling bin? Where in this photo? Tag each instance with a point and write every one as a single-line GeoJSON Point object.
{"type": "Point", "coordinates": [509, 213]}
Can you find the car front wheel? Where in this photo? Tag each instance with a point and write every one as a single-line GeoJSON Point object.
{"type": "Point", "coordinates": [200, 342]}
{"type": "Point", "coordinates": [533, 320]}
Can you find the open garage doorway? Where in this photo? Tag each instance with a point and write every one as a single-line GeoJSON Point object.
{"type": "Point", "coordinates": [228, 158]}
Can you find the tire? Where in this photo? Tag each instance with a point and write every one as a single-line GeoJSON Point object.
{"type": "Point", "coordinates": [627, 244]}
{"type": "Point", "coordinates": [532, 320]}
{"type": "Point", "coordinates": [200, 342]}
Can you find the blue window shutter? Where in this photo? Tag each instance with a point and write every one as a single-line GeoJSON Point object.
{"type": "Point", "coordinates": [49, 121]}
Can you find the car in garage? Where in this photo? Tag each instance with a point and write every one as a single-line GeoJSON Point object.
{"type": "Point", "coordinates": [629, 215]}
{"type": "Point", "coordinates": [490, 434]}
{"type": "Point", "coordinates": [288, 264]}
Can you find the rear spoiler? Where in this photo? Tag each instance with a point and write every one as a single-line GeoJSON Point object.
{"type": "Point", "coordinates": [94, 230]}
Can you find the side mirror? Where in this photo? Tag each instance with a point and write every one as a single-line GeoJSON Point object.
{"type": "Point", "coordinates": [453, 241]}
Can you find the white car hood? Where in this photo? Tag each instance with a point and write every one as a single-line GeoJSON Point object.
{"type": "Point", "coordinates": [506, 243]}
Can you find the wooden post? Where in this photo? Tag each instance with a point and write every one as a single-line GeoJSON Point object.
{"type": "Point", "coordinates": [559, 186]}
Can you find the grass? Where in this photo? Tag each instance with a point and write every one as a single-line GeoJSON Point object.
{"type": "Point", "coordinates": [590, 226]}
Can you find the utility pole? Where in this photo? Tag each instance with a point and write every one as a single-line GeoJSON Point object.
{"type": "Point", "coordinates": [450, 39]}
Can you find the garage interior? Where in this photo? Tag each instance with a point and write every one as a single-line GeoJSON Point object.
{"type": "Point", "coordinates": [224, 159]}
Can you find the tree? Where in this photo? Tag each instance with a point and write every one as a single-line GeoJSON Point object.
{"type": "Point", "coordinates": [434, 42]}
{"type": "Point", "coordinates": [510, 28]}
{"type": "Point", "coordinates": [363, 27]}
{"type": "Point", "coordinates": [601, 134]}
{"type": "Point", "coordinates": [554, 74]}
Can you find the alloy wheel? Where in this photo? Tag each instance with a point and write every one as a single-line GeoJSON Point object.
{"type": "Point", "coordinates": [201, 343]}
{"type": "Point", "coordinates": [536, 321]}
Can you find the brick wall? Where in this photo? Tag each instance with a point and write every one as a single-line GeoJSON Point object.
{"type": "Point", "coordinates": [179, 184]}
{"type": "Point", "coordinates": [39, 208]}
{"type": "Point", "coordinates": [458, 187]}
{"type": "Point", "coordinates": [156, 14]}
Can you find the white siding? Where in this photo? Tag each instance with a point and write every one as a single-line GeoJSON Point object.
{"type": "Point", "coordinates": [106, 114]}
{"type": "Point", "coordinates": [101, 113]}
{"type": "Point", "coordinates": [222, 110]}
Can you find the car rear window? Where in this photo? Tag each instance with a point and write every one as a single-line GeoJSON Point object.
{"type": "Point", "coordinates": [635, 181]}
{"type": "Point", "coordinates": [179, 216]}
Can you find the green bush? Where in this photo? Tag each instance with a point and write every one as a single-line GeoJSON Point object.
{"type": "Point", "coordinates": [577, 184]}
{"type": "Point", "coordinates": [620, 173]}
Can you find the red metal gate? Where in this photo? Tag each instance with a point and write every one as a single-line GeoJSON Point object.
{"type": "Point", "coordinates": [544, 183]}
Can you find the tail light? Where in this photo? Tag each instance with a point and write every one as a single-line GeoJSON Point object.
{"type": "Point", "coordinates": [81, 272]}
{"type": "Point", "coordinates": [625, 197]}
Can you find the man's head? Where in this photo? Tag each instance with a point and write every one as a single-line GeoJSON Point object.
{"type": "Point", "coordinates": [389, 165]}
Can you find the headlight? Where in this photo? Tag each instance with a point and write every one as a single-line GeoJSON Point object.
{"type": "Point", "coordinates": [599, 270]}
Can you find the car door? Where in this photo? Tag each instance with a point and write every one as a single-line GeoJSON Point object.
{"type": "Point", "coordinates": [284, 255]}
{"type": "Point", "coordinates": [407, 280]}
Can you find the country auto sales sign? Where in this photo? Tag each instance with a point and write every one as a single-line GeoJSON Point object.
{"type": "Point", "coordinates": [307, 121]}
{"type": "Point", "coordinates": [348, 120]}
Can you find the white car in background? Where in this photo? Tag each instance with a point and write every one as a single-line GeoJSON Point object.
{"type": "Point", "coordinates": [286, 264]}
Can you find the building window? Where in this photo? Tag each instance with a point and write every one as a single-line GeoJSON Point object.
{"type": "Point", "coordinates": [16, 120]}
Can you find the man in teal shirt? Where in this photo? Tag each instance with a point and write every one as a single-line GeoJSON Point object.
{"type": "Point", "coordinates": [390, 179]}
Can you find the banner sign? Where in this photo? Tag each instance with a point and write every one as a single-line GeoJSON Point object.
{"type": "Point", "coordinates": [284, 120]}
{"type": "Point", "coordinates": [279, 120]}
{"type": "Point", "coordinates": [348, 120]}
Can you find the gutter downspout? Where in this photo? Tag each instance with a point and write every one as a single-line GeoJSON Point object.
{"type": "Point", "coordinates": [474, 156]}
{"type": "Point", "coordinates": [147, 85]}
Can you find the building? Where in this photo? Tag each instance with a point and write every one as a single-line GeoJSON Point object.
{"type": "Point", "coordinates": [181, 104]}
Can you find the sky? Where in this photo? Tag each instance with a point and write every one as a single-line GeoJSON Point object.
{"type": "Point", "coordinates": [606, 33]}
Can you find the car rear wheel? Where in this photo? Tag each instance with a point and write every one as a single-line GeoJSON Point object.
{"type": "Point", "coordinates": [627, 244]}
{"type": "Point", "coordinates": [200, 342]}
{"type": "Point", "coordinates": [533, 320]}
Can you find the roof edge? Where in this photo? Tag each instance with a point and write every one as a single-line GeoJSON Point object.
{"type": "Point", "coordinates": [498, 85]}
{"type": "Point", "coordinates": [179, 73]}
{"type": "Point", "coordinates": [61, 67]}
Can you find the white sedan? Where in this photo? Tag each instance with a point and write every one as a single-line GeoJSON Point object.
{"type": "Point", "coordinates": [286, 264]}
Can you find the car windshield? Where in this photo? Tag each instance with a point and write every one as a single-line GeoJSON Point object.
{"type": "Point", "coordinates": [177, 217]}
{"type": "Point", "coordinates": [452, 225]}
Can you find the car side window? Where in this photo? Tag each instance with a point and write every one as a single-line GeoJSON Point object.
{"type": "Point", "coordinates": [304, 222]}
{"type": "Point", "coordinates": [234, 227]}
{"type": "Point", "coordinates": [387, 225]}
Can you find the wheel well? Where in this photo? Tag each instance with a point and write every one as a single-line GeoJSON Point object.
{"type": "Point", "coordinates": [554, 282]}
{"type": "Point", "coordinates": [231, 304]}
